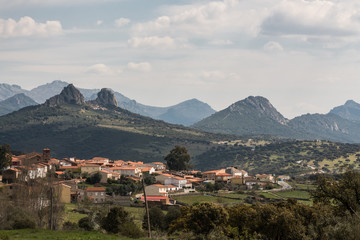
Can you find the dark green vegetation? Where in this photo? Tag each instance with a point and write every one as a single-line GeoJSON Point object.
{"type": "Point", "coordinates": [5, 156]}
{"type": "Point", "coordinates": [256, 116]}
{"type": "Point", "coordinates": [79, 130]}
{"type": "Point", "coordinates": [283, 157]}
{"type": "Point", "coordinates": [40, 234]}
{"type": "Point", "coordinates": [178, 159]}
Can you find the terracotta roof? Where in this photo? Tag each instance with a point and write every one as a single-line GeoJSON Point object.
{"type": "Point", "coordinates": [158, 163]}
{"type": "Point", "coordinates": [158, 185]}
{"type": "Point", "coordinates": [154, 198]}
{"type": "Point", "coordinates": [223, 174]}
{"type": "Point", "coordinates": [124, 168]}
{"type": "Point", "coordinates": [95, 189]}
{"type": "Point", "coordinates": [90, 165]}
{"type": "Point", "coordinates": [171, 186]}
{"type": "Point", "coordinates": [99, 158]}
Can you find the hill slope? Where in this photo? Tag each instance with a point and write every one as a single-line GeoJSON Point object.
{"type": "Point", "coordinates": [350, 111]}
{"type": "Point", "coordinates": [185, 113]}
{"type": "Point", "coordinates": [15, 103]}
{"type": "Point", "coordinates": [251, 116]}
{"type": "Point", "coordinates": [72, 127]}
{"type": "Point", "coordinates": [256, 116]}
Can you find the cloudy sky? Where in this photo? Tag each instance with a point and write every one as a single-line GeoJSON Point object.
{"type": "Point", "coordinates": [302, 55]}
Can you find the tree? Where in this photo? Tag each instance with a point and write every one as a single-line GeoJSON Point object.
{"type": "Point", "coordinates": [5, 156]}
{"type": "Point", "coordinates": [95, 178]}
{"type": "Point", "coordinates": [157, 219]}
{"type": "Point", "coordinates": [178, 159]}
{"type": "Point", "coordinates": [86, 223]}
{"type": "Point", "coordinates": [201, 219]}
{"type": "Point", "coordinates": [343, 193]}
{"type": "Point", "coordinates": [119, 221]}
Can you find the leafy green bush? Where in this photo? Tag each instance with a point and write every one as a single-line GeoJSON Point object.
{"type": "Point", "coordinates": [86, 223]}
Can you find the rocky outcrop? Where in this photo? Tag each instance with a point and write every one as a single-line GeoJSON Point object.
{"type": "Point", "coordinates": [69, 95]}
{"type": "Point", "coordinates": [105, 98]}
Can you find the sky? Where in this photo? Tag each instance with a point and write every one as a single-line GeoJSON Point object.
{"type": "Point", "coordinates": [304, 56]}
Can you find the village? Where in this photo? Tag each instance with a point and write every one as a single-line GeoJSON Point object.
{"type": "Point", "coordinates": [70, 177]}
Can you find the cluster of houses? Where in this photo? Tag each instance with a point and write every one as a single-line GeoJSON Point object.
{"type": "Point", "coordinates": [36, 165]}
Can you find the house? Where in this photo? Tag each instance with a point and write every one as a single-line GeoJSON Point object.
{"type": "Point", "coordinates": [265, 177]}
{"type": "Point", "coordinates": [161, 200]}
{"type": "Point", "coordinates": [161, 177]}
{"type": "Point", "coordinates": [223, 177]}
{"type": "Point", "coordinates": [159, 166]}
{"type": "Point", "coordinates": [127, 171]}
{"type": "Point", "coordinates": [97, 194]}
{"type": "Point", "coordinates": [177, 181]}
{"type": "Point", "coordinates": [90, 168]}
{"type": "Point", "coordinates": [149, 170]}
{"type": "Point", "coordinates": [156, 190]}
{"type": "Point", "coordinates": [236, 172]}
{"type": "Point", "coordinates": [283, 178]}
{"type": "Point", "coordinates": [63, 191]}
{"type": "Point", "coordinates": [211, 175]}
{"type": "Point", "coordinates": [10, 175]}
{"type": "Point", "coordinates": [105, 175]}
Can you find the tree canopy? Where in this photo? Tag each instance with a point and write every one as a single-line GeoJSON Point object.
{"type": "Point", "coordinates": [5, 156]}
{"type": "Point", "coordinates": [178, 159]}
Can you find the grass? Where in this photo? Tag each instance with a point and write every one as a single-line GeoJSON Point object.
{"type": "Point", "coordinates": [300, 186]}
{"type": "Point", "coordinates": [295, 194]}
{"type": "Point", "coordinates": [137, 214]}
{"type": "Point", "coordinates": [270, 195]}
{"type": "Point", "coordinates": [40, 234]}
{"type": "Point", "coordinates": [72, 216]}
{"type": "Point", "coordinates": [201, 198]}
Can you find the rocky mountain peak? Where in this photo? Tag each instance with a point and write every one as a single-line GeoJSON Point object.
{"type": "Point", "coordinates": [258, 105]}
{"type": "Point", "coordinates": [69, 95]}
{"type": "Point", "coordinates": [106, 98]}
{"type": "Point", "coordinates": [351, 103]}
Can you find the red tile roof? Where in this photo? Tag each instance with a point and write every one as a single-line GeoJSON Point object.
{"type": "Point", "coordinates": [154, 198]}
{"type": "Point", "coordinates": [95, 189]}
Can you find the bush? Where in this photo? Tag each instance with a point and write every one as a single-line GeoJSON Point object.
{"type": "Point", "coordinates": [86, 223]}
{"type": "Point", "coordinates": [23, 223]}
{"type": "Point", "coordinates": [4, 236]}
{"type": "Point", "coordinates": [69, 226]}
{"type": "Point", "coordinates": [130, 229]}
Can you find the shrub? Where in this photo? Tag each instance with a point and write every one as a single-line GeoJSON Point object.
{"type": "Point", "coordinates": [69, 226]}
{"type": "Point", "coordinates": [86, 223]}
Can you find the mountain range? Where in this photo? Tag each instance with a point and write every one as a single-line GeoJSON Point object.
{"type": "Point", "coordinates": [72, 126]}
{"type": "Point", "coordinates": [185, 113]}
{"type": "Point", "coordinates": [256, 116]}
{"type": "Point", "coordinates": [249, 117]}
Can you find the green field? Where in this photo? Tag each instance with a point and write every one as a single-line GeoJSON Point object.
{"type": "Point", "coordinates": [294, 194]}
{"type": "Point", "coordinates": [27, 234]}
{"type": "Point", "coordinates": [201, 198]}
{"type": "Point", "coordinates": [72, 216]}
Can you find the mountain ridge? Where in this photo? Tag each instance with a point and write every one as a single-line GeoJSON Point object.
{"type": "Point", "coordinates": [171, 114]}
{"type": "Point", "coordinates": [256, 115]}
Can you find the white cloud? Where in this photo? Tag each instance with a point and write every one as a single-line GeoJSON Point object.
{"type": "Point", "coordinates": [8, 4]}
{"type": "Point", "coordinates": [204, 20]}
{"type": "Point", "coordinates": [315, 19]}
{"type": "Point", "coordinates": [121, 22]}
{"type": "Point", "coordinates": [152, 42]}
{"type": "Point", "coordinates": [141, 67]}
{"type": "Point", "coordinates": [99, 69]}
{"type": "Point", "coordinates": [99, 22]}
{"type": "Point", "coordinates": [27, 26]}
{"type": "Point", "coordinates": [273, 47]}
{"type": "Point", "coordinates": [220, 42]}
